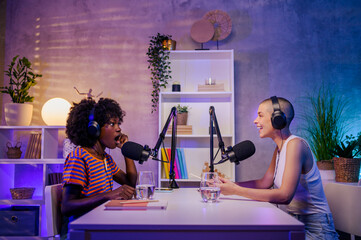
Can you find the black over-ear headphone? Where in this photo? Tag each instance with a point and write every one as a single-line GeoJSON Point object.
{"type": "Point", "coordinates": [278, 118]}
{"type": "Point", "coordinates": [93, 126]}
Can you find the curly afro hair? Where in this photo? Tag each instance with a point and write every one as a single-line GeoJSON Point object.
{"type": "Point", "coordinates": [78, 119]}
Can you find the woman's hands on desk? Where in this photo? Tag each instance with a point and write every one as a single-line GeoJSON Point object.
{"type": "Point", "coordinates": [122, 192]}
{"type": "Point", "coordinates": [228, 187]}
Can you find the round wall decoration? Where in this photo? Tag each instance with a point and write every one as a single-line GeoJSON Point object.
{"type": "Point", "coordinates": [222, 24]}
{"type": "Point", "coordinates": [202, 31]}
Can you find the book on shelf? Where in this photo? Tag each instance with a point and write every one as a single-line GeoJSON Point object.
{"type": "Point", "coordinates": [27, 152]}
{"type": "Point", "coordinates": [165, 163]}
{"type": "Point", "coordinates": [175, 164]}
{"type": "Point", "coordinates": [37, 153]}
{"type": "Point", "coordinates": [184, 163]}
{"type": "Point", "coordinates": [135, 204]}
{"type": "Point", "coordinates": [33, 150]}
{"type": "Point", "coordinates": [182, 130]}
{"type": "Point", "coordinates": [180, 164]}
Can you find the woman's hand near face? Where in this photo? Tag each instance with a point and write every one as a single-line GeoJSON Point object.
{"type": "Point", "coordinates": [123, 139]}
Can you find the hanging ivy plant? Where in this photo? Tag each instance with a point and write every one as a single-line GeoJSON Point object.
{"type": "Point", "coordinates": [159, 65]}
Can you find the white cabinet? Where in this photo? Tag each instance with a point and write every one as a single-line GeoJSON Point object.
{"type": "Point", "coordinates": [16, 173]}
{"type": "Point", "coordinates": [192, 68]}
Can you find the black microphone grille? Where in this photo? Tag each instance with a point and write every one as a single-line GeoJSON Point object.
{"type": "Point", "coordinates": [244, 150]}
{"type": "Point", "coordinates": [132, 150]}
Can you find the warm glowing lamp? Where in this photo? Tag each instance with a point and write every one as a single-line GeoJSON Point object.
{"type": "Point", "coordinates": [55, 111]}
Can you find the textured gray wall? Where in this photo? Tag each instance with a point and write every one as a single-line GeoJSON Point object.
{"type": "Point", "coordinates": [283, 48]}
{"type": "Point", "coordinates": [2, 43]}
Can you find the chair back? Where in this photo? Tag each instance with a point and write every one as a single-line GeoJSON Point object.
{"type": "Point", "coordinates": [344, 202]}
{"type": "Point", "coordinates": [52, 207]}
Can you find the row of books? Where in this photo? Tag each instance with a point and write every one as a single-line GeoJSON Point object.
{"type": "Point", "coordinates": [33, 150]}
{"type": "Point", "coordinates": [180, 166]}
{"type": "Point", "coordinates": [55, 178]}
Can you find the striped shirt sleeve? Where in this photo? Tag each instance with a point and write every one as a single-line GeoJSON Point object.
{"type": "Point", "coordinates": [75, 168]}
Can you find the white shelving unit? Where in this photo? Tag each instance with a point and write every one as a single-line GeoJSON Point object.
{"type": "Point", "coordinates": [191, 68]}
{"type": "Point", "coordinates": [30, 172]}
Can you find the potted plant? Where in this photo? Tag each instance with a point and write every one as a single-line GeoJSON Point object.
{"type": "Point", "coordinates": [182, 115]}
{"type": "Point", "coordinates": [22, 78]}
{"type": "Point", "coordinates": [324, 124]}
{"type": "Point", "coordinates": [159, 65]}
{"type": "Point", "coordinates": [347, 166]}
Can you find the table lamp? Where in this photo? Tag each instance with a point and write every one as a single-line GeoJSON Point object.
{"type": "Point", "coordinates": [55, 112]}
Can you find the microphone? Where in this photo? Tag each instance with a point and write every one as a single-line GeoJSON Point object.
{"type": "Point", "coordinates": [137, 152]}
{"type": "Point", "coordinates": [239, 152]}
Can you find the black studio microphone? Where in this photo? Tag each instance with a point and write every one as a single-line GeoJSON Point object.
{"type": "Point", "coordinates": [137, 152]}
{"type": "Point", "coordinates": [239, 152]}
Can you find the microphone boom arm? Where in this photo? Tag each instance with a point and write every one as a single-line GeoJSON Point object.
{"type": "Point", "coordinates": [172, 116]}
{"type": "Point", "coordinates": [213, 121]}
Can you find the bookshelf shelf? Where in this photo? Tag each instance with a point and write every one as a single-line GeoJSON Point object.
{"type": "Point", "coordinates": [189, 95]}
{"type": "Point", "coordinates": [191, 69]}
{"type": "Point", "coordinates": [31, 202]}
{"type": "Point", "coordinates": [32, 161]}
{"type": "Point", "coordinates": [198, 136]}
{"type": "Point", "coordinates": [30, 172]}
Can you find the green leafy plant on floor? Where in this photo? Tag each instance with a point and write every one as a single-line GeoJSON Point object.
{"type": "Point", "coordinates": [21, 80]}
{"type": "Point", "coordinates": [324, 122]}
{"type": "Point", "coordinates": [159, 65]}
{"type": "Point", "coordinates": [350, 148]}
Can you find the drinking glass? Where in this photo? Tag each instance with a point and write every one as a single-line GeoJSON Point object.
{"type": "Point", "coordinates": [145, 185]}
{"type": "Point", "coordinates": [209, 187]}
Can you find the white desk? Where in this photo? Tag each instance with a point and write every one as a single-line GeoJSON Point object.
{"type": "Point", "coordinates": [187, 217]}
{"type": "Point", "coordinates": [344, 200]}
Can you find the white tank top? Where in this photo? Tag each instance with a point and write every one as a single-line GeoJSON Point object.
{"type": "Point", "coordinates": [309, 197]}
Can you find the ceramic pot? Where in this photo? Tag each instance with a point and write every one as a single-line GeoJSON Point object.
{"type": "Point", "coordinates": [18, 114]}
{"type": "Point", "coordinates": [182, 118]}
{"type": "Point", "coordinates": [326, 169]}
{"type": "Point", "coordinates": [325, 164]}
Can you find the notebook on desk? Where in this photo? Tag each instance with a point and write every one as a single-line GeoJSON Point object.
{"type": "Point", "coordinates": [135, 204]}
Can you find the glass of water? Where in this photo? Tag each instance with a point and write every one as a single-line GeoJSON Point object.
{"type": "Point", "coordinates": [209, 187]}
{"type": "Point", "coordinates": [145, 185]}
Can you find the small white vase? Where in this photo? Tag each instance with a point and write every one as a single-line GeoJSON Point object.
{"type": "Point", "coordinates": [327, 175]}
{"type": "Point", "coordinates": [18, 114]}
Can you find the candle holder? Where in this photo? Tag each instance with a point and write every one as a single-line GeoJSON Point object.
{"type": "Point", "coordinates": [210, 81]}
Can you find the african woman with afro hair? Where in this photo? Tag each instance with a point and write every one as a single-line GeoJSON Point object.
{"type": "Point", "coordinates": [88, 170]}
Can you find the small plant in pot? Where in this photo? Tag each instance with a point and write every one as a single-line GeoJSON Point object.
{"type": "Point", "coordinates": [182, 114]}
{"type": "Point", "coordinates": [21, 79]}
{"type": "Point", "coordinates": [346, 163]}
{"type": "Point", "coordinates": [159, 65]}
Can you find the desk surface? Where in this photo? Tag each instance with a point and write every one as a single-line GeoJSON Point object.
{"type": "Point", "coordinates": [187, 212]}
